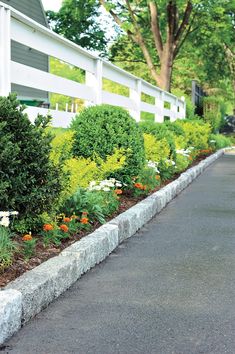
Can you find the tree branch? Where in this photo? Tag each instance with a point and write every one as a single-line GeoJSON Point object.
{"type": "Point", "coordinates": [127, 61]}
{"type": "Point", "coordinates": [171, 15]}
{"type": "Point", "coordinates": [115, 16]}
{"type": "Point", "coordinates": [137, 37]}
{"type": "Point", "coordinates": [184, 23]}
{"type": "Point", "coordinates": [156, 28]}
{"type": "Point", "coordinates": [180, 44]}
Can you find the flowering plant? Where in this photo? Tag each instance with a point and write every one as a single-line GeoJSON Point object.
{"type": "Point", "coordinates": [5, 217]}
{"type": "Point", "coordinates": [29, 245]}
{"type": "Point", "coordinates": [106, 185]}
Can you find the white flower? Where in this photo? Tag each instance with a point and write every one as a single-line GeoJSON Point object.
{"type": "Point", "coordinates": [14, 212]}
{"type": "Point", "coordinates": [4, 214]}
{"type": "Point", "coordinates": [212, 141]}
{"type": "Point", "coordinates": [118, 184]}
{"type": "Point", "coordinates": [108, 183]}
{"type": "Point", "coordinates": [106, 189]}
{"type": "Point", "coordinates": [153, 165]}
{"type": "Point", "coordinates": [5, 221]}
{"type": "Point", "coordinates": [96, 188]}
{"type": "Point", "coordinates": [92, 184]}
{"type": "Point", "coordinates": [183, 152]}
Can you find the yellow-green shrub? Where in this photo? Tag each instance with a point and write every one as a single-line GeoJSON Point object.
{"type": "Point", "coordinates": [112, 164]}
{"type": "Point", "coordinates": [182, 162]}
{"type": "Point", "coordinates": [196, 133]}
{"type": "Point", "coordinates": [82, 171]}
{"type": "Point", "coordinates": [62, 146]}
{"type": "Point", "coordinates": [156, 150]}
{"type": "Point", "coordinates": [180, 142]}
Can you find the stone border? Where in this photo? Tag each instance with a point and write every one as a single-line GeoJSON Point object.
{"type": "Point", "coordinates": [26, 296]}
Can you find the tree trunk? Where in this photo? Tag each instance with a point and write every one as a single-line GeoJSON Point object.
{"type": "Point", "coordinates": [164, 81]}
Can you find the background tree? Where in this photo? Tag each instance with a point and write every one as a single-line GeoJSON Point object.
{"type": "Point", "coordinates": [160, 28]}
{"type": "Point", "coordinates": [78, 21]}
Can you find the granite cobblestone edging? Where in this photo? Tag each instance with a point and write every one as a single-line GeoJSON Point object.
{"type": "Point", "coordinates": [26, 296]}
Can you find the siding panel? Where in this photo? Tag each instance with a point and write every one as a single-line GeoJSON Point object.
{"type": "Point", "coordinates": [29, 93]}
{"type": "Point", "coordinates": [31, 8]}
{"type": "Point", "coordinates": [28, 56]}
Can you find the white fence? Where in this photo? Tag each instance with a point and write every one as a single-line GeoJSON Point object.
{"type": "Point", "coordinates": [18, 27]}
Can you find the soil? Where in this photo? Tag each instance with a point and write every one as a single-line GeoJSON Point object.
{"type": "Point", "coordinates": [20, 265]}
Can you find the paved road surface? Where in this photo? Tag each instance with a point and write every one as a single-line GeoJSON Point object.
{"type": "Point", "coordinates": [169, 289]}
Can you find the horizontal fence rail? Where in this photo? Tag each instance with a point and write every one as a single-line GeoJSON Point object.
{"type": "Point", "coordinates": [14, 26]}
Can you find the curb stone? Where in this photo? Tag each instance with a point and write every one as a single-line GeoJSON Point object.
{"type": "Point", "coordinates": [10, 313]}
{"type": "Point", "coordinates": [26, 296]}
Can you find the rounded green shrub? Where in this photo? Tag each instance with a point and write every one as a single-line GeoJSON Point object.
{"type": "Point", "coordinates": [99, 130]}
{"type": "Point", "coordinates": [29, 182]}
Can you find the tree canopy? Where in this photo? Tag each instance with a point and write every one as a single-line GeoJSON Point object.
{"type": "Point", "coordinates": [162, 28]}
{"type": "Point", "coordinates": [77, 21]}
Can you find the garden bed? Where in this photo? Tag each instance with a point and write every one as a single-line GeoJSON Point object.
{"type": "Point", "coordinates": [20, 265]}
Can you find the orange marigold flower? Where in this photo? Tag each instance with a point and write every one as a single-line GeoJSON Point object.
{"type": "Point", "coordinates": [67, 219]}
{"type": "Point", "coordinates": [48, 227]}
{"type": "Point", "coordinates": [84, 220]}
{"type": "Point", "coordinates": [27, 237]}
{"type": "Point", "coordinates": [64, 228]}
{"type": "Point", "coordinates": [118, 191]}
{"type": "Point", "coordinates": [84, 213]}
{"type": "Point", "coordinates": [138, 185]}
{"type": "Point", "coordinates": [205, 151]}
{"type": "Point", "coordinates": [144, 188]}
{"type": "Point", "coordinates": [157, 177]}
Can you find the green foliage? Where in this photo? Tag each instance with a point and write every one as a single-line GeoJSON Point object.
{"type": "Point", "coordinates": [29, 248]}
{"type": "Point", "coordinates": [76, 21]}
{"type": "Point", "coordinates": [219, 141]}
{"type": "Point", "coordinates": [167, 169]}
{"type": "Point", "coordinates": [98, 204]}
{"type": "Point", "coordinates": [62, 146]}
{"type": "Point", "coordinates": [62, 69]}
{"type": "Point", "coordinates": [30, 183]}
{"type": "Point", "coordinates": [81, 171]}
{"type": "Point", "coordinates": [212, 112]}
{"type": "Point", "coordinates": [156, 150]}
{"type": "Point", "coordinates": [7, 248]}
{"type": "Point", "coordinates": [196, 133]}
{"type": "Point", "coordinates": [182, 163]}
{"type": "Point", "coordinates": [159, 131]}
{"type": "Point", "coordinates": [211, 40]}
{"type": "Point", "coordinates": [99, 130]}
{"type": "Point", "coordinates": [145, 182]}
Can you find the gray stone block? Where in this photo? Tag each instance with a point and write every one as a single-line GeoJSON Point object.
{"type": "Point", "coordinates": [127, 224]}
{"type": "Point", "coordinates": [10, 313]}
{"type": "Point", "coordinates": [94, 248]}
{"type": "Point", "coordinates": [44, 283]}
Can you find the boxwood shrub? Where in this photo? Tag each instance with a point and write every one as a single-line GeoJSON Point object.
{"type": "Point", "coordinates": [29, 182]}
{"type": "Point", "coordinates": [99, 130]}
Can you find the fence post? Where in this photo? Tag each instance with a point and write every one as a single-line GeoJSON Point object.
{"type": "Point", "coordinates": [183, 114]}
{"type": "Point", "coordinates": [159, 103]}
{"type": "Point", "coordinates": [135, 95]}
{"type": "Point", "coordinates": [5, 51]}
{"type": "Point", "coordinates": [175, 109]}
{"type": "Point", "coordinates": [94, 80]}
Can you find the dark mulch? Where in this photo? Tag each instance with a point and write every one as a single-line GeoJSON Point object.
{"type": "Point", "coordinates": [20, 265]}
